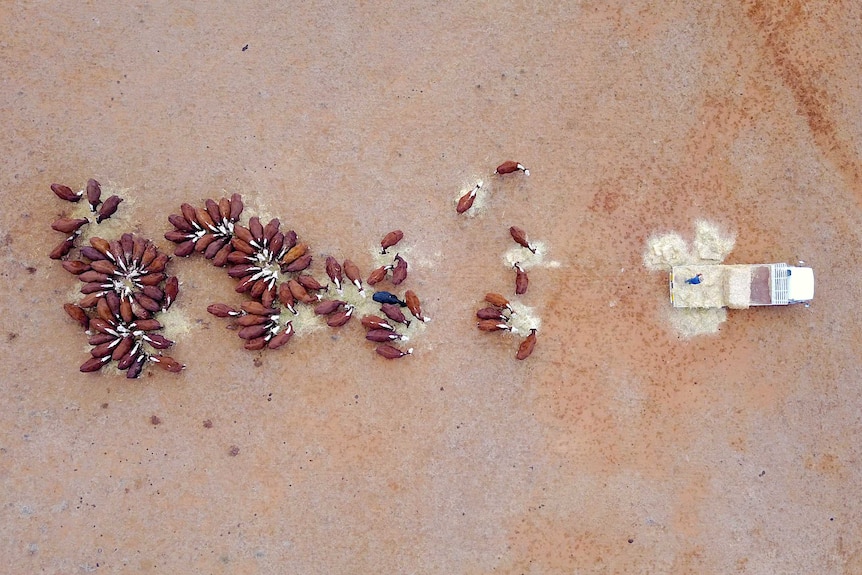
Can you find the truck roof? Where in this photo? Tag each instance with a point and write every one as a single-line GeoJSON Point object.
{"type": "Point", "coordinates": [801, 286]}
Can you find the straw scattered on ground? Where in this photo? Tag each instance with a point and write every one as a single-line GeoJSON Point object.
{"type": "Point", "coordinates": [710, 244]}
{"type": "Point", "coordinates": [111, 228]}
{"type": "Point", "coordinates": [176, 322]}
{"type": "Point", "coordinates": [665, 251]}
{"type": "Point", "coordinates": [523, 319]}
{"type": "Point", "coordinates": [305, 321]}
{"type": "Point", "coordinates": [527, 259]}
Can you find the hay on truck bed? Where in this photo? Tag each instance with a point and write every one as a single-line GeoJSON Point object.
{"type": "Point", "coordinates": [721, 286]}
{"type": "Point", "coordinates": [738, 286]}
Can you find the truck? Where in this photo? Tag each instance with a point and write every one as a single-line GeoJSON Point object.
{"type": "Point", "coordinates": [740, 286]}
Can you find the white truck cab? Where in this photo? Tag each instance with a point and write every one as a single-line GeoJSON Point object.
{"type": "Point", "coordinates": [800, 284]}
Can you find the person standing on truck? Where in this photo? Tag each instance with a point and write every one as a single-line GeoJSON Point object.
{"type": "Point", "coordinates": [695, 280]}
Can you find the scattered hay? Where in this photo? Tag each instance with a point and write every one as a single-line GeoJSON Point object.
{"type": "Point", "coordinates": [523, 319]}
{"type": "Point", "coordinates": [665, 251]}
{"type": "Point", "coordinates": [525, 258]}
{"type": "Point", "coordinates": [176, 322]}
{"type": "Point", "coordinates": [305, 321]}
{"type": "Point", "coordinates": [710, 244]}
{"type": "Point", "coordinates": [109, 229]}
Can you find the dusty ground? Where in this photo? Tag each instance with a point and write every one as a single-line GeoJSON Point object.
{"type": "Point", "coordinates": [618, 447]}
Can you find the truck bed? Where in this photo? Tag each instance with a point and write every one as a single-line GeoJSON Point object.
{"type": "Point", "coordinates": [732, 286]}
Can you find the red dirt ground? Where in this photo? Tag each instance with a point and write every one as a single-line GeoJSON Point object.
{"type": "Point", "coordinates": [618, 447]}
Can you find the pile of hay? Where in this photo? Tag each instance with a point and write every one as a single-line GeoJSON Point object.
{"type": "Point", "coordinates": [665, 251]}
{"type": "Point", "coordinates": [739, 287]}
{"type": "Point", "coordinates": [710, 246]}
